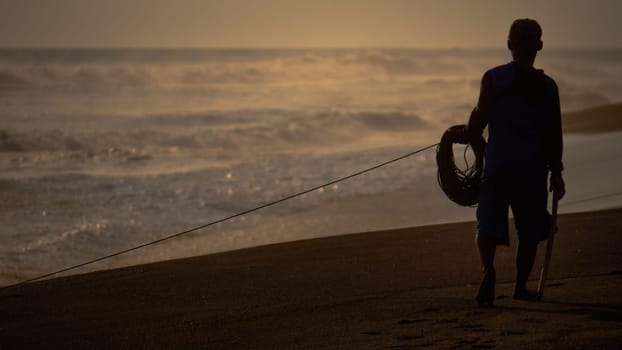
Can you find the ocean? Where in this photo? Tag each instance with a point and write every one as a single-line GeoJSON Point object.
{"type": "Point", "coordinates": [105, 149]}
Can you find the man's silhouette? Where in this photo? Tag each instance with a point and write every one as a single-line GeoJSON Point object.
{"type": "Point", "coordinates": [520, 106]}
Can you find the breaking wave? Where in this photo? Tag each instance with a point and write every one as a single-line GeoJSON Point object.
{"type": "Point", "coordinates": [237, 130]}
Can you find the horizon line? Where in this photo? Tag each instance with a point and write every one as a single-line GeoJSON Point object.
{"type": "Point", "coordinates": [233, 48]}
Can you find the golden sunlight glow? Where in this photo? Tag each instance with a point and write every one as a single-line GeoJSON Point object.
{"type": "Point", "coordinates": [300, 23]}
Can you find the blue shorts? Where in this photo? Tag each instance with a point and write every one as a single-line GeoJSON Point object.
{"type": "Point", "coordinates": [527, 196]}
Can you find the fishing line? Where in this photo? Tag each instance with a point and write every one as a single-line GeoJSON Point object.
{"type": "Point", "coordinates": [169, 237]}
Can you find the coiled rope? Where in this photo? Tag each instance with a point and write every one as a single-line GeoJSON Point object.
{"type": "Point", "coordinates": [178, 234]}
{"type": "Point", "coordinates": [459, 185]}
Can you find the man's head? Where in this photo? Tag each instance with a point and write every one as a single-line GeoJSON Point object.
{"type": "Point", "coordinates": [524, 40]}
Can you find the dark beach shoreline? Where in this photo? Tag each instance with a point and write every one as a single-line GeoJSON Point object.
{"type": "Point", "coordinates": [402, 288]}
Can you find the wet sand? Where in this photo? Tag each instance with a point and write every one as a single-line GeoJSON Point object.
{"type": "Point", "coordinates": [406, 288]}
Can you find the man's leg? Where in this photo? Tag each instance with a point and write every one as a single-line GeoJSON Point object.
{"type": "Point", "coordinates": [525, 258]}
{"type": "Point", "coordinates": [529, 202]}
{"type": "Point", "coordinates": [492, 229]}
{"type": "Point", "coordinates": [487, 247]}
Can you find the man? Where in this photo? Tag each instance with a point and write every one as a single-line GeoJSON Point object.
{"type": "Point", "coordinates": [520, 106]}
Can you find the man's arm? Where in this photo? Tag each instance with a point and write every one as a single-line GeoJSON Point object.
{"type": "Point", "coordinates": [556, 148]}
{"type": "Point", "coordinates": [481, 114]}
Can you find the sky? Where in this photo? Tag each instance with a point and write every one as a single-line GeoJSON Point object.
{"type": "Point", "coordinates": [303, 23]}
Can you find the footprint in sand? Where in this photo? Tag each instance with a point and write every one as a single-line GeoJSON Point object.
{"type": "Point", "coordinates": [511, 332]}
{"type": "Point", "coordinates": [475, 327]}
{"type": "Point", "coordinates": [476, 343]}
{"type": "Point", "coordinates": [461, 342]}
{"type": "Point", "coordinates": [559, 284]}
{"type": "Point", "coordinates": [532, 320]}
{"type": "Point", "coordinates": [371, 333]}
{"type": "Point", "coordinates": [431, 309]}
{"type": "Point", "coordinates": [424, 345]}
{"type": "Point", "coordinates": [408, 337]}
{"type": "Point", "coordinates": [469, 326]}
{"type": "Point", "coordinates": [412, 321]}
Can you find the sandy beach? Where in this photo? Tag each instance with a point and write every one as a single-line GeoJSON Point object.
{"type": "Point", "coordinates": [406, 288]}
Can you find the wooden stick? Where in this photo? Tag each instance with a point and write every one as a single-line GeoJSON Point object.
{"type": "Point", "coordinates": [549, 247]}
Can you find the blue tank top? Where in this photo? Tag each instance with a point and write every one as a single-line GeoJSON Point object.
{"type": "Point", "coordinates": [521, 118]}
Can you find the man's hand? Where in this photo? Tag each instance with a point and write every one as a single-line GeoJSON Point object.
{"type": "Point", "coordinates": [557, 185]}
